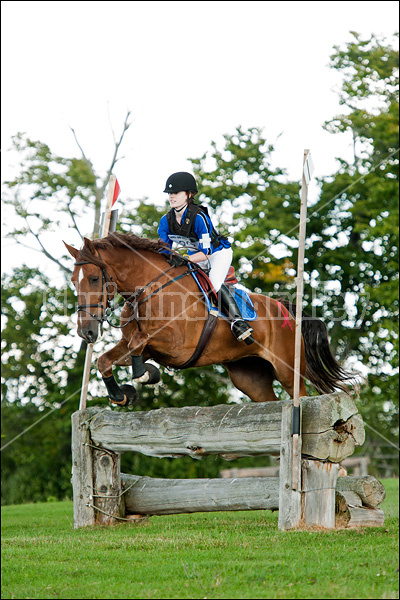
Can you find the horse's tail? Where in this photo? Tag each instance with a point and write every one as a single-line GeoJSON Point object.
{"type": "Point", "coordinates": [322, 369]}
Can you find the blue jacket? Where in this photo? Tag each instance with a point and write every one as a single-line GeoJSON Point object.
{"type": "Point", "coordinates": [201, 242]}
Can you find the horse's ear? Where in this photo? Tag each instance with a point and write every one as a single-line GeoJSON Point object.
{"type": "Point", "coordinates": [73, 251]}
{"type": "Point", "coordinates": [89, 245]}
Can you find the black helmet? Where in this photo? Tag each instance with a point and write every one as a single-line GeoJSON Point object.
{"type": "Point", "coordinates": [180, 182]}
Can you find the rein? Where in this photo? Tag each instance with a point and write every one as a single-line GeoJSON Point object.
{"type": "Point", "coordinates": [135, 301]}
{"type": "Point", "coordinates": [132, 299]}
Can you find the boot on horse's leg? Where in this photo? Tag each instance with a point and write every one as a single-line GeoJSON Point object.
{"type": "Point", "coordinates": [143, 372]}
{"type": "Point", "coordinates": [240, 329]}
{"type": "Point", "coordinates": [119, 395]}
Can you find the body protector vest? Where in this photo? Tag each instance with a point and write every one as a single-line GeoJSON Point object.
{"type": "Point", "coordinates": [186, 228]}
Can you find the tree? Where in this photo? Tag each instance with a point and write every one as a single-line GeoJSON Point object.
{"type": "Point", "coordinates": [41, 374]}
{"type": "Point", "coordinates": [354, 226]}
{"type": "Point", "coordinates": [261, 204]}
{"type": "Point", "coordinates": [51, 184]}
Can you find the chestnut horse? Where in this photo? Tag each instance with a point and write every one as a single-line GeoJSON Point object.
{"type": "Point", "coordinates": [163, 319]}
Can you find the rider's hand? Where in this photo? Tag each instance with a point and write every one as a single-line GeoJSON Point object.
{"type": "Point", "coordinates": [176, 260]}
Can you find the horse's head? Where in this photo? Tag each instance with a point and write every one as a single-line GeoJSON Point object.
{"type": "Point", "coordinates": [92, 285]}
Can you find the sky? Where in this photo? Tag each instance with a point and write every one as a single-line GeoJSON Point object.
{"type": "Point", "coordinates": [189, 72]}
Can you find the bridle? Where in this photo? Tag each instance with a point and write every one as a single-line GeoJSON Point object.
{"type": "Point", "coordinates": [134, 299]}
{"type": "Point", "coordinates": [105, 280]}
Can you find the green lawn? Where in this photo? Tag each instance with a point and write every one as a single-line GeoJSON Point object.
{"type": "Point", "coordinates": [214, 555]}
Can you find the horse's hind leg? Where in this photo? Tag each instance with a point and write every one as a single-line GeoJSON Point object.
{"type": "Point", "coordinates": [254, 377]}
{"type": "Point", "coordinates": [284, 373]}
{"type": "Point", "coordinates": [119, 355]}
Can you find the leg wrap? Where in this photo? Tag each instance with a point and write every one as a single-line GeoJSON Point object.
{"type": "Point", "coordinates": [113, 389]}
{"type": "Point", "coordinates": [138, 368]}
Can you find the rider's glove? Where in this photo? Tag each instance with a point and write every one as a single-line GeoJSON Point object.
{"type": "Point", "coordinates": [176, 260]}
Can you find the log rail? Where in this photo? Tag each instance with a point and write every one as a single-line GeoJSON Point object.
{"type": "Point", "coordinates": [331, 429]}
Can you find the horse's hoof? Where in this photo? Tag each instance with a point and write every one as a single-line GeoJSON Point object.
{"type": "Point", "coordinates": [130, 392]}
{"type": "Point", "coordinates": [123, 402]}
{"type": "Point", "coordinates": [154, 375]}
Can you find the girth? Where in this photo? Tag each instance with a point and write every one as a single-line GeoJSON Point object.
{"type": "Point", "coordinates": [208, 329]}
{"type": "Point", "coordinates": [136, 300]}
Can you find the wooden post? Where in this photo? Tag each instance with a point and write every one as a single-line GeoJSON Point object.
{"type": "Point", "coordinates": [82, 470]}
{"type": "Point", "coordinates": [107, 496]}
{"type": "Point", "coordinates": [319, 488]}
{"type": "Point", "coordinates": [296, 421]}
{"type": "Point", "coordinates": [86, 376]}
{"type": "Point", "coordinates": [289, 497]}
{"type": "Point", "coordinates": [89, 349]}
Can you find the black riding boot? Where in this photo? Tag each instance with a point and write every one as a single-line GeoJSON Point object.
{"type": "Point", "coordinates": [240, 329]}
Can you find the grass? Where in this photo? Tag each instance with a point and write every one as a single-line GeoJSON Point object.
{"type": "Point", "coordinates": [205, 555]}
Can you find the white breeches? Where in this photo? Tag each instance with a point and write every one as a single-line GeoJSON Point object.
{"type": "Point", "coordinates": [219, 265]}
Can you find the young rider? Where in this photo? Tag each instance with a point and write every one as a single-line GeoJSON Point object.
{"type": "Point", "coordinates": [189, 225]}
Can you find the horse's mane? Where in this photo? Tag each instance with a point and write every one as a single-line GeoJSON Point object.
{"type": "Point", "coordinates": [120, 240]}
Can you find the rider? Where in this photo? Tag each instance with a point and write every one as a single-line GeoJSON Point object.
{"type": "Point", "coordinates": [188, 224]}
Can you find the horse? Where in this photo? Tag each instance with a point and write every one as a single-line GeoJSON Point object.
{"type": "Point", "coordinates": [165, 318]}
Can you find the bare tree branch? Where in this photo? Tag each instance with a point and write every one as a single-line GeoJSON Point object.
{"type": "Point", "coordinates": [45, 252]}
{"type": "Point", "coordinates": [125, 128]}
{"type": "Point", "coordinates": [100, 191]}
{"type": "Point", "coordinates": [80, 147]}
{"type": "Point", "coordinates": [74, 222]}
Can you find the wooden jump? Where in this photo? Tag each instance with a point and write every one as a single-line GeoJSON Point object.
{"type": "Point", "coordinates": [331, 429]}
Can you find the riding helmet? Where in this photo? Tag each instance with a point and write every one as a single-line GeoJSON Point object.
{"type": "Point", "coordinates": [180, 182]}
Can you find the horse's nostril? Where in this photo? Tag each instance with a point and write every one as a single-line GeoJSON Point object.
{"type": "Point", "coordinates": [90, 336]}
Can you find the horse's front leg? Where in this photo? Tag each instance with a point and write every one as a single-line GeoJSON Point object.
{"type": "Point", "coordinates": [119, 355]}
{"type": "Point", "coordinates": [142, 372]}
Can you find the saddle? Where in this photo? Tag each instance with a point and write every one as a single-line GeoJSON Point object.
{"type": "Point", "coordinates": [239, 293]}
{"type": "Point", "coordinates": [206, 286]}
{"type": "Point", "coordinates": [211, 300]}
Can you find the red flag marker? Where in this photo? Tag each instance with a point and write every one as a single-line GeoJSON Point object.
{"type": "Point", "coordinates": [117, 190]}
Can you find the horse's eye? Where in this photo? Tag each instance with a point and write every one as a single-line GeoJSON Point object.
{"type": "Point", "coordinates": [94, 279]}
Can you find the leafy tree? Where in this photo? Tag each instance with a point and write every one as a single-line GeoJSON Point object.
{"type": "Point", "coordinates": [42, 369]}
{"type": "Point", "coordinates": [355, 224]}
{"type": "Point", "coordinates": [260, 203]}
{"type": "Point", "coordinates": [49, 184]}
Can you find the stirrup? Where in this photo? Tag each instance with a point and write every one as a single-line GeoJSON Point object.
{"type": "Point", "coordinates": [237, 330]}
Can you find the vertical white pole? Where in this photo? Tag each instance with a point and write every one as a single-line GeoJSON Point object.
{"type": "Point", "coordinates": [89, 349]}
{"type": "Point", "coordinates": [299, 309]}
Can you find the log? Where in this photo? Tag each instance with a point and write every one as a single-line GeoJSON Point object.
{"type": "Point", "coordinates": [345, 499]}
{"type": "Point", "coordinates": [82, 468]}
{"type": "Point", "coordinates": [368, 488]}
{"type": "Point", "coordinates": [289, 499]}
{"type": "Point", "coordinates": [152, 496]}
{"type": "Point", "coordinates": [319, 483]}
{"type": "Point", "coordinates": [349, 512]}
{"type": "Point", "coordinates": [250, 472]}
{"type": "Point", "coordinates": [331, 429]}
{"type": "Point", "coordinates": [107, 497]}
{"type": "Point", "coordinates": [240, 429]}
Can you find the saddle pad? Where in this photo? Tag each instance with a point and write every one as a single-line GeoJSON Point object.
{"type": "Point", "coordinates": [244, 302]}
{"type": "Point", "coordinates": [241, 296]}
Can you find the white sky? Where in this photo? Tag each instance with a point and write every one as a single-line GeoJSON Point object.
{"type": "Point", "coordinates": [188, 71]}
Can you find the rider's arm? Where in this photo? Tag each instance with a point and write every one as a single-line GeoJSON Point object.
{"type": "Point", "coordinates": [202, 229]}
{"type": "Point", "coordinates": [163, 231]}
{"type": "Point", "coordinates": [197, 257]}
